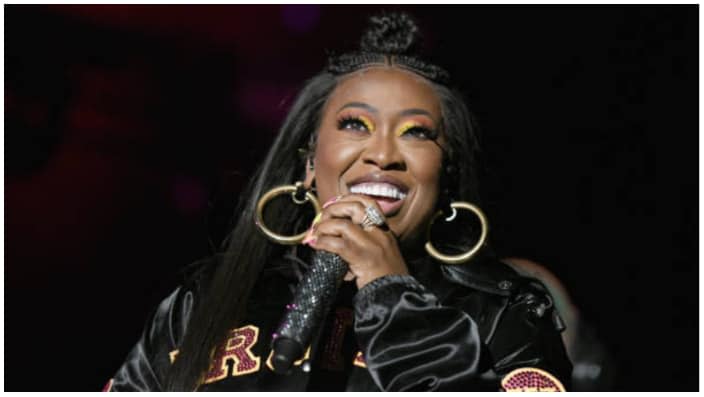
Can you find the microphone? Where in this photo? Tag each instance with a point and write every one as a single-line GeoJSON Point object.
{"type": "Point", "coordinates": [310, 305]}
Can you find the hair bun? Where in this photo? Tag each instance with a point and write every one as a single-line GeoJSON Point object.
{"type": "Point", "coordinates": [394, 33]}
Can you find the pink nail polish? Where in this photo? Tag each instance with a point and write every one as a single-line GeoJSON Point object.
{"type": "Point", "coordinates": [332, 200]}
{"type": "Point", "coordinates": [309, 237]}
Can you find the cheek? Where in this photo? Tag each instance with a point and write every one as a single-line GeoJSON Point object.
{"type": "Point", "coordinates": [426, 170]}
{"type": "Point", "coordinates": [332, 158]}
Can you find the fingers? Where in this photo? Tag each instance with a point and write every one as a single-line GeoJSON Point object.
{"type": "Point", "coordinates": [336, 245]}
{"type": "Point", "coordinates": [338, 236]}
{"type": "Point", "coordinates": [371, 252]}
{"type": "Point", "coordinates": [353, 210]}
{"type": "Point", "coordinates": [352, 206]}
{"type": "Point", "coordinates": [347, 239]}
{"type": "Point", "coordinates": [344, 228]}
{"type": "Point", "coordinates": [339, 246]}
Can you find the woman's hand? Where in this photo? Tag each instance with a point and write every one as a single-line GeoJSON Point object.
{"type": "Point", "coordinates": [371, 252]}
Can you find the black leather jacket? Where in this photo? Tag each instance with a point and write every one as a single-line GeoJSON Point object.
{"type": "Point", "coordinates": [446, 328]}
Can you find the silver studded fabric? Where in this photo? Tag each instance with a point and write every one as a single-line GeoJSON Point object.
{"type": "Point", "coordinates": [313, 298]}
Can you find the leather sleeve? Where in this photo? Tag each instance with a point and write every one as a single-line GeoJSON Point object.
{"type": "Point", "coordinates": [412, 342]}
{"type": "Point", "coordinates": [528, 336]}
{"type": "Point", "coordinates": [146, 364]}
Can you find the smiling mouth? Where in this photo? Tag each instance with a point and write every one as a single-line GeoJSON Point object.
{"type": "Point", "coordinates": [389, 197]}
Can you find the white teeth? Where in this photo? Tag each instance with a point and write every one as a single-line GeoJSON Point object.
{"type": "Point", "coordinates": [378, 189]}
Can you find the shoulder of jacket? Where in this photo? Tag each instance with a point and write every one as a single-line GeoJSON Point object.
{"type": "Point", "coordinates": [174, 312]}
{"type": "Point", "coordinates": [488, 275]}
{"type": "Point", "coordinates": [532, 300]}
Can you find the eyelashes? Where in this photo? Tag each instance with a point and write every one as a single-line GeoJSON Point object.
{"type": "Point", "coordinates": [422, 133]}
{"type": "Point", "coordinates": [354, 123]}
{"type": "Point", "coordinates": [408, 129]}
{"type": "Point", "coordinates": [416, 130]}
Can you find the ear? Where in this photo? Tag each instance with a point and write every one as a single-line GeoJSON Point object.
{"type": "Point", "coordinates": [310, 173]}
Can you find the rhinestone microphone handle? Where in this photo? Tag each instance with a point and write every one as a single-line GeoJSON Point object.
{"type": "Point", "coordinates": [310, 305]}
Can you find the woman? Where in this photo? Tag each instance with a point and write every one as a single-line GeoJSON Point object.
{"type": "Point", "coordinates": [385, 144]}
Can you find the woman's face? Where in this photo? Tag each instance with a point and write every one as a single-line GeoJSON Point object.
{"type": "Point", "coordinates": [379, 136]}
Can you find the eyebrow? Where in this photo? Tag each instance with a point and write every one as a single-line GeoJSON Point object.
{"type": "Point", "coordinates": [359, 105]}
{"type": "Point", "coordinates": [372, 109]}
{"type": "Point", "coordinates": [416, 112]}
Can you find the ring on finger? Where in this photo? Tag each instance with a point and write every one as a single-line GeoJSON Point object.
{"type": "Point", "coordinates": [372, 217]}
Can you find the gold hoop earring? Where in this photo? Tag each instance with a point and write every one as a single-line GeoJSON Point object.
{"type": "Point", "coordinates": [466, 256]}
{"type": "Point", "coordinates": [295, 191]}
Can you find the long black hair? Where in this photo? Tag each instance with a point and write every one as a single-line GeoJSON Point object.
{"type": "Point", "coordinates": [390, 40]}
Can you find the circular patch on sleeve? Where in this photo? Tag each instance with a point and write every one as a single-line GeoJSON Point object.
{"type": "Point", "coordinates": [530, 379]}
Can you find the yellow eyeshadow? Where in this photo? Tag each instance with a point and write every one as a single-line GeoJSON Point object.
{"type": "Point", "coordinates": [367, 122]}
{"type": "Point", "coordinates": [405, 127]}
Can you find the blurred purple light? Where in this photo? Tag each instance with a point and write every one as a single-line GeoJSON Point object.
{"type": "Point", "coordinates": [261, 102]}
{"type": "Point", "coordinates": [188, 195]}
{"type": "Point", "coordinates": [300, 18]}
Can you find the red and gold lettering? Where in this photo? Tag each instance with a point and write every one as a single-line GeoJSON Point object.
{"type": "Point", "coordinates": [359, 360]}
{"type": "Point", "coordinates": [237, 348]}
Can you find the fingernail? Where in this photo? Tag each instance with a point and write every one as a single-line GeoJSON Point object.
{"type": "Point", "coordinates": [316, 220]}
{"type": "Point", "coordinates": [309, 240]}
{"type": "Point", "coordinates": [332, 200]}
{"type": "Point", "coordinates": [309, 237]}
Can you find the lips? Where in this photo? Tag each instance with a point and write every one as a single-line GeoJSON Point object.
{"type": "Point", "coordinates": [387, 191]}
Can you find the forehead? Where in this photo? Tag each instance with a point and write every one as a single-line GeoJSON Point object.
{"type": "Point", "coordinates": [388, 89]}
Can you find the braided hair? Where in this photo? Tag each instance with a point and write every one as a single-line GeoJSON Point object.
{"type": "Point", "coordinates": [390, 40]}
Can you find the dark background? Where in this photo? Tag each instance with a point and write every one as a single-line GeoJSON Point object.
{"type": "Point", "coordinates": [130, 129]}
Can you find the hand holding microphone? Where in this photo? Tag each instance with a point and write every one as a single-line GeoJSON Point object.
{"type": "Point", "coordinates": [310, 305]}
{"type": "Point", "coordinates": [339, 241]}
{"type": "Point", "coordinates": [354, 227]}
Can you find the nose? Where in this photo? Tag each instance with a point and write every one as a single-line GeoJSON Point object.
{"type": "Point", "coordinates": [384, 153]}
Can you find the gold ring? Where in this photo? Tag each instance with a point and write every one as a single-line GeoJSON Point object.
{"type": "Point", "coordinates": [464, 257]}
{"type": "Point", "coordinates": [259, 218]}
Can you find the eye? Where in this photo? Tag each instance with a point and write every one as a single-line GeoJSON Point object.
{"type": "Point", "coordinates": [420, 133]}
{"type": "Point", "coordinates": [352, 123]}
